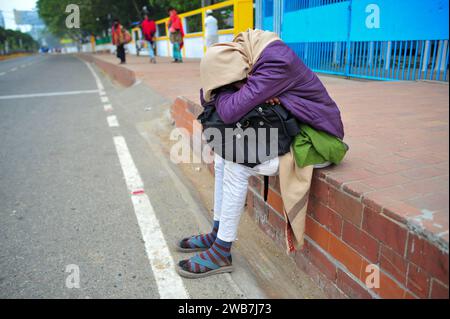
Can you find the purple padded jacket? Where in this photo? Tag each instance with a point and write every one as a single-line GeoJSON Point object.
{"type": "Point", "coordinates": [280, 73]}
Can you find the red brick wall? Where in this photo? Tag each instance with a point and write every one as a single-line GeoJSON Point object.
{"type": "Point", "coordinates": [344, 234]}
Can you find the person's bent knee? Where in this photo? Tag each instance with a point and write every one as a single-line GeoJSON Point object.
{"type": "Point", "coordinates": [236, 171]}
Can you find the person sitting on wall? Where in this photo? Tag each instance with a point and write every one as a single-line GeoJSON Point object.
{"type": "Point", "coordinates": [237, 77]}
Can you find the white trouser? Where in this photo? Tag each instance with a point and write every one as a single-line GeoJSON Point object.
{"type": "Point", "coordinates": [230, 192]}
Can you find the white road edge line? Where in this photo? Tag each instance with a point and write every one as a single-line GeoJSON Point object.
{"type": "Point", "coordinates": [97, 79]}
{"type": "Point", "coordinates": [170, 285]}
{"type": "Point", "coordinates": [112, 121]}
{"type": "Point", "coordinates": [104, 99]}
{"type": "Point", "coordinates": [24, 96]}
{"type": "Point", "coordinates": [108, 107]}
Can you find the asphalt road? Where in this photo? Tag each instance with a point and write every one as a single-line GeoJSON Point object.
{"type": "Point", "coordinates": [64, 201]}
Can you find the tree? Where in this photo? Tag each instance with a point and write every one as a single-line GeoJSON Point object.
{"type": "Point", "coordinates": [96, 15]}
{"type": "Point", "coordinates": [17, 41]}
{"type": "Point", "coordinates": [158, 8]}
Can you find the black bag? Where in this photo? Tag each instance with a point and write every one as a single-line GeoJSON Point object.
{"type": "Point", "coordinates": [264, 133]}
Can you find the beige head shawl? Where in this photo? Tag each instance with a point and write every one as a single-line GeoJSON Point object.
{"type": "Point", "coordinates": [225, 63]}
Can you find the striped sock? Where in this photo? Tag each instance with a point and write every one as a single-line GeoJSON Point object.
{"type": "Point", "coordinates": [204, 240]}
{"type": "Point", "coordinates": [219, 254]}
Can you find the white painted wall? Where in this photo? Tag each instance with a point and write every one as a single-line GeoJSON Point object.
{"type": "Point", "coordinates": [87, 47]}
{"type": "Point", "coordinates": [72, 49]}
{"type": "Point", "coordinates": [226, 37]}
{"type": "Point", "coordinates": [131, 48]}
{"type": "Point", "coordinates": [105, 47]}
{"type": "Point", "coordinates": [194, 47]}
{"type": "Point", "coordinates": [161, 48]}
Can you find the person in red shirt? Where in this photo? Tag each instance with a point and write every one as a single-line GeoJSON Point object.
{"type": "Point", "coordinates": [149, 29]}
{"type": "Point", "coordinates": [176, 32]}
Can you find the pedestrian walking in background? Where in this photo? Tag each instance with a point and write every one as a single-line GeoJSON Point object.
{"type": "Point", "coordinates": [149, 30]}
{"type": "Point", "coordinates": [211, 29]}
{"type": "Point", "coordinates": [176, 35]}
{"type": "Point", "coordinates": [120, 37]}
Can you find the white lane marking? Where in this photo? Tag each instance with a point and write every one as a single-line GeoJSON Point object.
{"type": "Point", "coordinates": [97, 79]}
{"type": "Point", "coordinates": [13, 69]}
{"type": "Point", "coordinates": [22, 66]}
{"type": "Point", "coordinates": [102, 93]}
{"type": "Point", "coordinates": [104, 99]}
{"type": "Point", "coordinates": [108, 107]}
{"type": "Point", "coordinates": [169, 283]}
{"type": "Point", "coordinates": [112, 121]}
{"type": "Point", "coordinates": [24, 96]}
{"type": "Point", "coordinates": [2, 73]}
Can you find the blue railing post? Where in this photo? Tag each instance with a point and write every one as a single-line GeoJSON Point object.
{"type": "Point", "coordinates": [258, 14]}
{"type": "Point", "coordinates": [348, 57]}
{"type": "Point", "coordinates": [277, 16]}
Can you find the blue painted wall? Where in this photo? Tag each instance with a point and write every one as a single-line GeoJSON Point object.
{"type": "Point", "coordinates": [268, 23]}
{"type": "Point", "coordinates": [401, 20]}
{"type": "Point", "coordinates": [317, 24]}
{"type": "Point", "coordinates": [267, 12]}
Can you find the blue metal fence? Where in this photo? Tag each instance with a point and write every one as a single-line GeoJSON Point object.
{"type": "Point", "coordinates": [378, 60]}
{"type": "Point", "coordinates": [267, 12]}
{"type": "Point", "coordinates": [335, 37]}
{"type": "Point", "coordinates": [268, 8]}
{"type": "Point", "coordinates": [294, 5]}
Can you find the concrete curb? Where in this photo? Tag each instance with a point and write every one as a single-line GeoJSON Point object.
{"type": "Point", "coordinates": [118, 73]}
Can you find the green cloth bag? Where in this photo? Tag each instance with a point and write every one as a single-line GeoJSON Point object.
{"type": "Point", "coordinates": [313, 147]}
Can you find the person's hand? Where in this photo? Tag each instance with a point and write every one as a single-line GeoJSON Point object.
{"type": "Point", "coordinates": [273, 101]}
